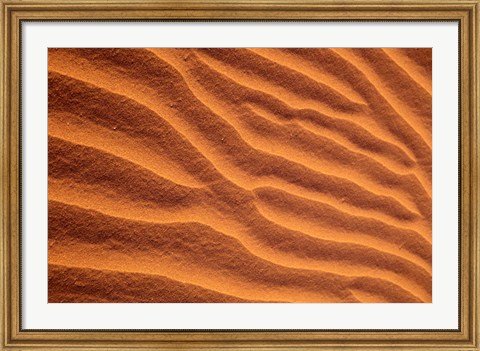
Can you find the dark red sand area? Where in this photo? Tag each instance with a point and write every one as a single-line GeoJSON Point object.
{"type": "Point", "coordinates": [240, 175]}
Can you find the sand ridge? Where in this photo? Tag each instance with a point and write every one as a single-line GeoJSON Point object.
{"type": "Point", "coordinates": [240, 175]}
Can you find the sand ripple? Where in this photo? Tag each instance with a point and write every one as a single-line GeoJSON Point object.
{"type": "Point", "coordinates": [240, 175]}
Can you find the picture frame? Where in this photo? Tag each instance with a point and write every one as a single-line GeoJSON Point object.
{"type": "Point", "coordinates": [465, 13]}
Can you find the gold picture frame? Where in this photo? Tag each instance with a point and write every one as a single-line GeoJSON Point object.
{"type": "Point", "coordinates": [464, 12]}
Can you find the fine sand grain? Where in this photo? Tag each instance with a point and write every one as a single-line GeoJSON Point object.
{"type": "Point", "coordinates": [240, 175]}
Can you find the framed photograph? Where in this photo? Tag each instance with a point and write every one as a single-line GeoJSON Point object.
{"type": "Point", "coordinates": [254, 175]}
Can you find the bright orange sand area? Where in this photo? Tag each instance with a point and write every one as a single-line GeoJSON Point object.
{"type": "Point", "coordinates": [240, 175]}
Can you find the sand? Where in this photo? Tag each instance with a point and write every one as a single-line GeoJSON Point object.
{"type": "Point", "coordinates": [240, 175]}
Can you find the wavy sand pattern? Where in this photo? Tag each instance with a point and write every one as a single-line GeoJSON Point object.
{"type": "Point", "coordinates": [240, 175]}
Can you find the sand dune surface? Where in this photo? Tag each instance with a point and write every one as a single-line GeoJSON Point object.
{"type": "Point", "coordinates": [240, 175]}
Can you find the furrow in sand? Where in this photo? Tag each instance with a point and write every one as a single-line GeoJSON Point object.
{"type": "Point", "coordinates": [305, 148]}
{"type": "Point", "coordinates": [113, 204]}
{"type": "Point", "coordinates": [65, 153]}
{"type": "Point", "coordinates": [422, 57]}
{"type": "Point", "coordinates": [414, 110]}
{"type": "Point", "coordinates": [408, 78]}
{"type": "Point", "coordinates": [76, 285]}
{"type": "Point", "coordinates": [391, 159]}
{"type": "Point", "coordinates": [297, 102]}
{"type": "Point", "coordinates": [372, 117]}
{"type": "Point", "coordinates": [262, 165]}
{"type": "Point", "coordinates": [202, 277]}
{"type": "Point", "coordinates": [212, 260]}
{"type": "Point", "coordinates": [309, 114]}
{"type": "Point", "coordinates": [192, 249]}
{"type": "Point", "coordinates": [290, 210]}
{"type": "Point", "coordinates": [251, 69]}
{"type": "Point", "coordinates": [77, 130]}
{"type": "Point", "coordinates": [131, 119]}
{"type": "Point", "coordinates": [325, 125]}
{"type": "Point", "coordinates": [382, 113]}
{"type": "Point", "coordinates": [215, 91]}
{"type": "Point", "coordinates": [112, 180]}
{"type": "Point", "coordinates": [73, 162]}
{"type": "Point", "coordinates": [199, 206]}
{"type": "Point", "coordinates": [277, 57]}
{"type": "Point", "coordinates": [414, 187]}
{"type": "Point", "coordinates": [68, 161]}
{"type": "Point", "coordinates": [272, 242]}
{"type": "Point", "coordinates": [335, 65]}
{"type": "Point", "coordinates": [413, 69]}
{"type": "Point", "coordinates": [343, 133]}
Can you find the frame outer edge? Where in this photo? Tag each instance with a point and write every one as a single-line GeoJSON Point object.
{"type": "Point", "coordinates": [4, 175]}
{"type": "Point", "coordinates": [9, 93]}
{"type": "Point", "coordinates": [475, 175]}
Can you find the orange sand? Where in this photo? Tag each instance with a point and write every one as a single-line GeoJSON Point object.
{"type": "Point", "coordinates": [240, 175]}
